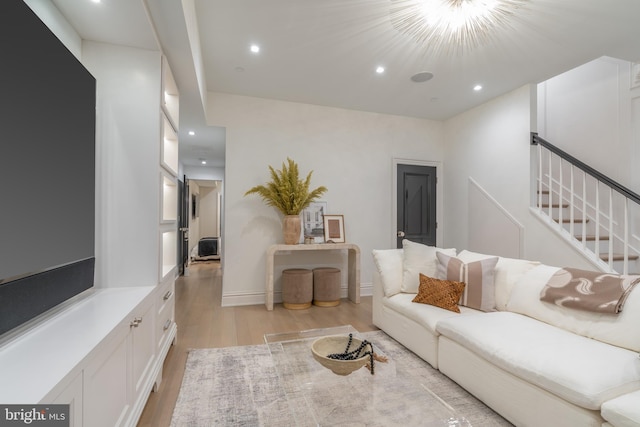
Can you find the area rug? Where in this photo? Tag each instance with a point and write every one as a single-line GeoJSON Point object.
{"type": "Point", "coordinates": [240, 386]}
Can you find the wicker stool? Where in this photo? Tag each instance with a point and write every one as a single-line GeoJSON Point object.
{"type": "Point", "coordinates": [326, 286]}
{"type": "Point", "coordinates": [297, 288]}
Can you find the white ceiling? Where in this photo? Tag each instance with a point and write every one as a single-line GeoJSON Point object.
{"type": "Point", "coordinates": [325, 52]}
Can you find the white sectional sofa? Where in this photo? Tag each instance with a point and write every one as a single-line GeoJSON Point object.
{"type": "Point", "coordinates": [533, 362]}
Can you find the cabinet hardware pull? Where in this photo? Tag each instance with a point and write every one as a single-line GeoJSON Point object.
{"type": "Point", "coordinates": [135, 322]}
{"type": "Point", "coordinates": [167, 324]}
{"type": "Point", "coordinates": [167, 295]}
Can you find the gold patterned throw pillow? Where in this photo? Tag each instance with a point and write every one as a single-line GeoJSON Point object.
{"type": "Point", "coordinates": [441, 293]}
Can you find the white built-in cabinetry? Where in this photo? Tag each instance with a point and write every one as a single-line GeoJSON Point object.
{"type": "Point", "coordinates": [103, 352]}
{"type": "Point", "coordinates": [170, 107]}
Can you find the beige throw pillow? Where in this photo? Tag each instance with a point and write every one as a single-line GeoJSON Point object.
{"type": "Point", "coordinates": [478, 276]}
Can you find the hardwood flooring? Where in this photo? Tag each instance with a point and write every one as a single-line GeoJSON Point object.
{"type": "Point", "coordinates": [203, 323]}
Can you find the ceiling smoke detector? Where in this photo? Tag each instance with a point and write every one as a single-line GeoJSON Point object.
{"type": "Point", "coordinates": [421, 77]}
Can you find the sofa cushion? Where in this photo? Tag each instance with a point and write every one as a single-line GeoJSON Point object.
{"type": "Point", "coordinates": [617, 329]}
{"type": "Point", "coordinates": [548, 357]}
{"type": "Point", "coordinates": [623, 411]}
{"type": "Point", "coordinates": [425, 315]}
{"type": "Point", "coordinates": [419, 258]}
{"type": "Point", "coordinates": [441, 293]}
{"type": "Point", "coordinates": [389, 265]}
{"type": "Point", "coordinates": [507, 273]}
{"type": "Point", "coordinates": [478, 276]}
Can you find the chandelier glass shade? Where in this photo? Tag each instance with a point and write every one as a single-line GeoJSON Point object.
{"type": "Point", "coordinates": [452, 25]}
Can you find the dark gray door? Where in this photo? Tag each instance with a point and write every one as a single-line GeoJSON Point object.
{"type": "Point", "coordinates": [183, 224]}
{"type": "Point", "coordinates": [417, 204]}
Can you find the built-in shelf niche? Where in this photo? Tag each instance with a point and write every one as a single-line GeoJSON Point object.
{"type": "Point", "coordinates": [169, 199]}
{"type": "Point", "coordinates": [169, 252]}
{"type": "Point", "coordinates": [169, 147]}
{"type": "Point", "coordinates": [170, 94]}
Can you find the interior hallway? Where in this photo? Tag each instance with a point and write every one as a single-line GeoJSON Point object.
{"type": "Point", "coordinates": [203, 323]}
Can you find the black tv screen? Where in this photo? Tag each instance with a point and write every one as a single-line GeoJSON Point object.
{"type": "Point", "coordinates": [47, 169]}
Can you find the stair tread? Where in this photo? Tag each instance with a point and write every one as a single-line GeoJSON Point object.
{"type": "Point", "coordinates": [591, 237]}
{"type": "Point", "coordinates": [555, 205]}
{"type": "Point", "coordinates": [575, 220]}
{"type": "Point", "coordinates": [618, 257]}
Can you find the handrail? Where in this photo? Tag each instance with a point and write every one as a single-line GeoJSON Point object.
{"type": "Point", "coordinates": [536, 139]}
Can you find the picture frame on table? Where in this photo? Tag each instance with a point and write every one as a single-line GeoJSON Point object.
{"type": "Point", "coordinates": [334, 228]}
{"type": "Point", "coordinates": [312, 222]}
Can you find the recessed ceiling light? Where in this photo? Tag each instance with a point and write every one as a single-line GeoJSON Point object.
{"type": "Point", "coordinates": [380, 69]}
{"type": "Point", "coordinates": [96, 1]}
{"type": "Point", "coordinates": [204, 162]}
{"type": "Point", "coordinates": [255, 48]}
{"type": "Point", "coordinates": [191, 133]}
{"type": "Point", "coordinates": [477, 88]}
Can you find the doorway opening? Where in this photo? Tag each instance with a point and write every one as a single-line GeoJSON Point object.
{"type": "Point", "coordinates": [202, 230]}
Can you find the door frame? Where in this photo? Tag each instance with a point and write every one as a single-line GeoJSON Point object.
{"type": "Point", "coordinates": [439, 196]}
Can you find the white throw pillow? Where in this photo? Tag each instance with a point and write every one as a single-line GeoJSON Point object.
{"type": "Point", "coordinates": [507, 273]}
{"type": "Point", "coordinates": [389, 265]}
{"type": "Point", "coordinates": [419, 258]}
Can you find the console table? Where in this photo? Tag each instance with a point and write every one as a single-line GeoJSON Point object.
{"type": "Point", "coordinates": [353, 252]}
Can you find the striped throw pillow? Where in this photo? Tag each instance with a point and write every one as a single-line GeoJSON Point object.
{"type": "Point", "coordinates": [479, 292]}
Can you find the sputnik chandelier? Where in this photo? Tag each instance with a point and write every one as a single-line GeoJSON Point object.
{"type": "Point", "coordinates": [452, 25]}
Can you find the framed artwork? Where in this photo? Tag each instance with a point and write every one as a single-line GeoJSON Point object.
{"type": "Point", "coordinates": [334, 228]}
{"type": "Point", "coordinates": [312, 225]}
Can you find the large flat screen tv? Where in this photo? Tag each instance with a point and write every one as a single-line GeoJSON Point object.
{"type": "Point", "coordinates": [47, 169]}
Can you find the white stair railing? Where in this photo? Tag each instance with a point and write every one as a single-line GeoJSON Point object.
{"type": "Point", "coordinates": [600, 220]}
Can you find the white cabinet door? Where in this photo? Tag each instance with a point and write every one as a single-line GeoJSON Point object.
{"type": "Point", "coordinates": [107, 396]}
{"type": "Point", "coordinates": [143, 347]}
{"type": "Point", "coordinates": [72, 396]}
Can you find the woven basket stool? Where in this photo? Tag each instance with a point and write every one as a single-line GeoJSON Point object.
{"type": "Point", "coordinates": [326, 286]}
{"type": "Point", "coordinates": [297, 288]}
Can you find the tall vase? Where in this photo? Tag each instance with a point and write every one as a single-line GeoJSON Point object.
{"type": "Point", "coordinates": [291, 229]}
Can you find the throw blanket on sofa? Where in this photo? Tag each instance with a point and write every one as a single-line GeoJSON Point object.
{"type": "Point", "coordinates": [588, 290]}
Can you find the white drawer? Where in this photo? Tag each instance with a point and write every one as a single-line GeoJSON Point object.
{"type": "Point", "coordinates": [165, 324]}
{"type": "Point", "coordinates": [165, 304]}
{"type": "Point", "coordinates": [165, 294]}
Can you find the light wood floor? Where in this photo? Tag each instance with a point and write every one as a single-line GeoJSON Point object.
{"type": "Point", "coordinates": [203, 323]}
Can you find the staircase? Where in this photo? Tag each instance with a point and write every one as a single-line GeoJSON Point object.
{"type": "Point", "coordinates": [595, 214]}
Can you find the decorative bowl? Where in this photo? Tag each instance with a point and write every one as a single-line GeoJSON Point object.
{"type": "Point", "coordinates": [324, 346]}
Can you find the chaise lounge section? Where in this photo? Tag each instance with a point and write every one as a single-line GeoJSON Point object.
{"type": "Point", "coordinates": [534, 362]}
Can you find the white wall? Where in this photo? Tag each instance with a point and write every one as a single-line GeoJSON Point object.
{"type": "Point", "coordinates": [209, 212]}
{"type": "Point", "coordinates": [490, 144]}
{"type": "Point", "coordinates": [127, 159]}
{"type": "Point", "coordinates": [350, 153]}
{"type": "Point", "coordinates": [592, 113]}
{"type": "Point", "coordinates": [206, 173]}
